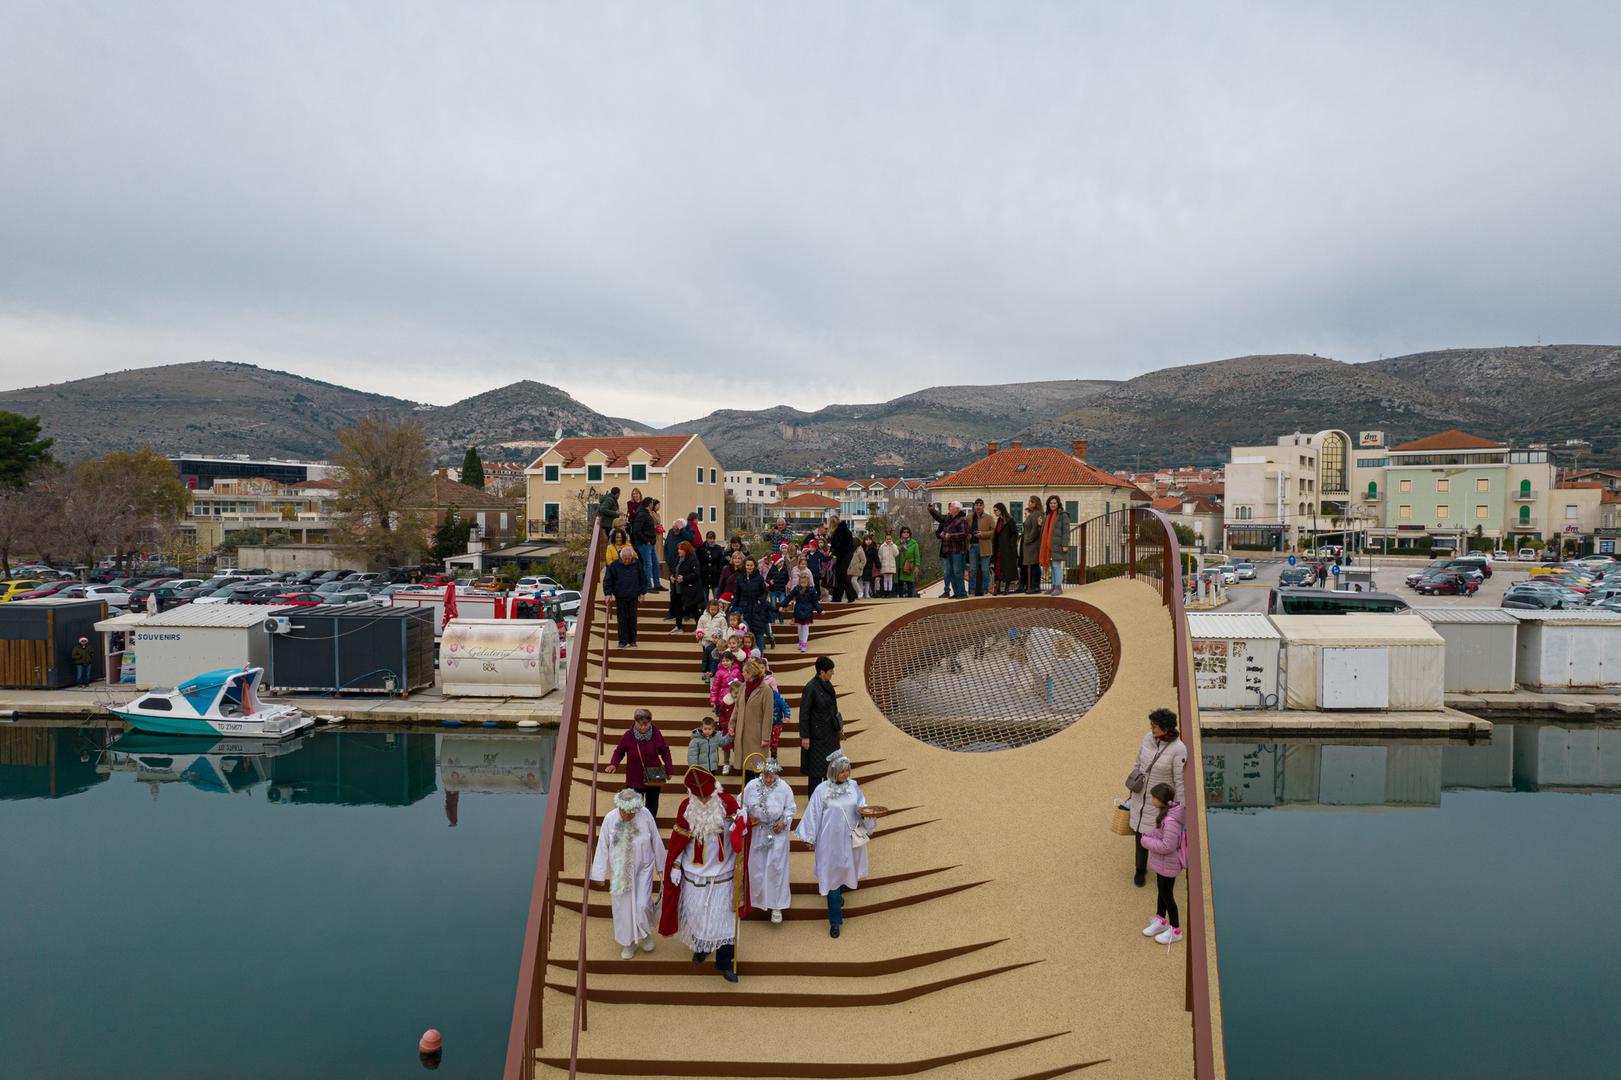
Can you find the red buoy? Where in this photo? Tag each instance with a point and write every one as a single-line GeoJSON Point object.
{"type": "Point", "coordinates": [431, 1042]}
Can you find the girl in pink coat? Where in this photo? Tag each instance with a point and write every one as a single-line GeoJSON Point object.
{"type": "Point", "coordinates": [729, 671]}
{"type": "Point", "coordinates": [1166, 847]}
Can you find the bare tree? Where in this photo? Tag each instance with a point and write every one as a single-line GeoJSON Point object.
{"type": "Point", "coordinates": [382, 465]}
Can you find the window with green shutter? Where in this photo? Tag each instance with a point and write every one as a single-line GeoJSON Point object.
{"type": "Point", "coordinates": [551, 474]}
{"type": "Point", "coordinates": [638, 474]}
{"type": "Point", "coordinates": [593, 474]}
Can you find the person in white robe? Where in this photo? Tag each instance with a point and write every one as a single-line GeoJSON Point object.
{"type": "Point", "coordinates": [771, 807]}
{"type": "Point", "coordinates": [629, 849]}
{"type": "Point", "coordinates": [834, 825]}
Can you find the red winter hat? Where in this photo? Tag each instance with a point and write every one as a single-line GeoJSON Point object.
{"type": "Point", "coordinates": [726, 598]}
{"type": "Point", "coordinates": [810, 543]}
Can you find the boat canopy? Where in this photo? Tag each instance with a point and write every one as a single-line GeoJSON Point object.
{"type": "Point", "coordinates": [230, 688]}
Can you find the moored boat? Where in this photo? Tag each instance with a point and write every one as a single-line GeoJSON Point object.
{"type": "Point", "coordinates": [216, 703]}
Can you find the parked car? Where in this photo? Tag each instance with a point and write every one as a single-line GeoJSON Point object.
{"type": "Point", "coordinates": [1526, 555]}
{"type": "Point", "coordinates": [10, 590]}
{"type": "Point", "coordinates": [1296, 575]}
{"type": "Point", "coordinates": [1533, 601]}
{"type": "Point", "coordinates": [1500, 555]}
{"type": "Point", "coordinates": [295, 599]}
{"type": "Point", "coordinates": [1244, 569]}
{"type": "Point", "coordinates": [1477, 562]}
{"type": "Point", "coordinates": [349, 596]}
{"type": "Point", "coordinates": [567, 602]}
{"type": "Point", "coordinates": [49, 588]}
{"type": "Point", "coordinates": [1447, 583]}
{"type": "Point", "coordinates": [430, 580]}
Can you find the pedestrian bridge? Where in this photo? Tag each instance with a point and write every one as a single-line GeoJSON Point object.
{"type": "Point", "coordinates": [998, 934]}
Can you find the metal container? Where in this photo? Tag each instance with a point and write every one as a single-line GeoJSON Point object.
{"type": "Point", "coordinates": [350, 648]}
{"type": "Point", "coordinates": [1482, 645]}
{"type": "Point", "coordinates": [37, 638]}
{"type": "Point", "coordinates": [1357, 661]}
{"type": "Point", "coordinates": [1569, 650]}
{"type": "Point", "coordinates": [499, 657]}
{"type": "Point", "coordinates": [1235, 660]}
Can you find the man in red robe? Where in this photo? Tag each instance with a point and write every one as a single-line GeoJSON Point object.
{"type": "Point", "coordinates": [708, 858]}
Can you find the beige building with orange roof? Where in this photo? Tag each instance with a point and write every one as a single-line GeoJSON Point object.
{"type": "Point", "coordinates": [1011, 475]}
{"type": "Point", "coordinates": [565, 482]}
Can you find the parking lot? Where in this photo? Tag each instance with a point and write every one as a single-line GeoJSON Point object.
{"type": "Point", "coordinates": [1389, 576]}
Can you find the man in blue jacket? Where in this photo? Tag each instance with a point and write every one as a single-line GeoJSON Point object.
{"type": "Point", "coordinates": [623, 582]}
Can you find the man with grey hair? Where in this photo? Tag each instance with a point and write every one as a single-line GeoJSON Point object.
{"type": "Point", "coordinates": [953, 533]}
{"type": "Point", "coordinates": [623, 582]}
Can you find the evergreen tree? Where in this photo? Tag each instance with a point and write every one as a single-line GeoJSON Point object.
{"type": "Point", "coordinates": [473, 469]}
{"type": "Point", "coordinates": [21, 449]}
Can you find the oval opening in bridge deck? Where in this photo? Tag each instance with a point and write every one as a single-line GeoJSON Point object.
{"type": "Point", "coordinates": [982, 675]}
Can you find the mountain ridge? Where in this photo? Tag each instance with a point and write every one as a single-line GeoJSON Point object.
{"type": "Point", "coordinates": [1188, 414]}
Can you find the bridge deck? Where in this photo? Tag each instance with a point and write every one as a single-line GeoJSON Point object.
{"type": "Point", "coordinates": [997, 937]}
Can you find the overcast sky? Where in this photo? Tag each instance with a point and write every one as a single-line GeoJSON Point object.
{"type": "Point", "coordinates": [667, 208]}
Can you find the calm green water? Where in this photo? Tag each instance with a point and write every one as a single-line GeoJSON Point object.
{"type": "Point", "coordinates": [169, 910]}
{"type": "Point", "coordinates": [1419, 910]}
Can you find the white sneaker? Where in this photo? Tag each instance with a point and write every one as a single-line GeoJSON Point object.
{"type": "Point", "coordinates": [725, 770]}
{"type": "Point", "coordinates": [628, 952]}
{"type": "Point", "coordinates": [647, 943]}
{"type": "Point", "coordinates": [1170, 937]}
{"type": "Point", "coordinates": [1154, 928]}
{"type": "Point", "coordinates": [776, 916]}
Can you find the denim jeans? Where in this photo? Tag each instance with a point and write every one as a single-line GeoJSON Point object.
{"type": "Point", "coordinates": [835, 907]}
{"type": "Point", "coordinates": [952, 565]}
{"type": "Point", "coordinates": [979, 572]}
{"type": "Point", "coordinates": [1056, 582]}
{"type": "Point", "coordinates": [81, 674]}
{"type": "Point", "coordinates": [710, 663]}
{"type": "Point", "coordinates": [905, 588]}
{"type": "Point", "coordinates": [650, 565]}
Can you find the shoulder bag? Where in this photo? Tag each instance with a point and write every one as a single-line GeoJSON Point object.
{"type": "Point", "coordinates": [1137, 779]}
{"type": "Point", "coordinates": [651, 774]}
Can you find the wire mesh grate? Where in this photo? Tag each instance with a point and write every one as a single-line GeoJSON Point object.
{"type": "Point", "coordinates": [992, 677]}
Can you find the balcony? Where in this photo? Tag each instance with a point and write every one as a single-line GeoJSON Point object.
{"type": "Point", "coordinates": [1526, 496]}
{"type": "Point", "coordinates": [1373, 496]}
{"type": "Point", "coordinates": [1524, 524]}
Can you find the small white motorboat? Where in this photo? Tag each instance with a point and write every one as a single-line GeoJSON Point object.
{"type": "Point", "coordinates": [223, 702]}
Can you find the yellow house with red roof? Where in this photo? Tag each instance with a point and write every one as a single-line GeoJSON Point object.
{"type": "Point", "coordinates": [565, 482]}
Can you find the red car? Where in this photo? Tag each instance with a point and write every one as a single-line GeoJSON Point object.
{"type": "Point", "coordinates": [50, 589]}
{"type": "Point", "coordinates": [297, 599]}
{"type": "Point", "coordinates": [1447, 584]}
{"type": "Point", "coordinates": [434, 579]}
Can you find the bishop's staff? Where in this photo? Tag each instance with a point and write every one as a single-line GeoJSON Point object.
{"type": "Point", "coordinates": [737, 892]}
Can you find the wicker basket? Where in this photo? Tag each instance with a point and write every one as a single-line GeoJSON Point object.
{"type": "Point", "coordinates": [1120, 821]}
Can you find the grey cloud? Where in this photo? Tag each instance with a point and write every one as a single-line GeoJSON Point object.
{"type": "Point", "coordinates": [834, 202]}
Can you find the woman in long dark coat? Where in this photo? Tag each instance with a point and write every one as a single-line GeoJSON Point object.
{"type": "Point", "coordinates": [751, 597]}
{"type": "Point", "coordinates": [686, 585]}
{"type": "Point", "coordinates": [1004, 550]}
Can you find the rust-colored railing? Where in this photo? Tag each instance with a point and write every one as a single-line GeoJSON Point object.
{"type": "Point", "coordinates": [527, 1031]}
{"type": "Point", "coordinates": [1140, 543]}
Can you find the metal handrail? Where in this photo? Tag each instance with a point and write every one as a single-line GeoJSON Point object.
{"type": "Point", "coordinates": [580, 988]}
{"type": "Point", "coordinates": [1198, 959]}
{"type": "Point", "coordinates": [527, 1032]}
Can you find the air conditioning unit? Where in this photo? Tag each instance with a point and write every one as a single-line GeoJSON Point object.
{"type": "Point", "coordinates": [277, 624]}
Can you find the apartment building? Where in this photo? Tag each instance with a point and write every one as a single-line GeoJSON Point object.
{"type": "Point", "coordinates": [754, 494]}
{"type": "Point", "coordinates": [1275, 494]}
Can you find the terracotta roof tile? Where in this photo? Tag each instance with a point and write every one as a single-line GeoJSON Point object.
{"type": "Point", "coordinates": [807, 500]}
{"type": "Point", "coordinates": [617, 448]}
{"type": "Point", "coordinates": [1450, 440]}
{"type": "Point", "coordinates": [437, 492]}
{"type": "Point", "coordinates": [1042, 466]}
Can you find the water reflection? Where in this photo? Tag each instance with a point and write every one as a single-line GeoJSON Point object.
{"type": "Point", "coordinates": [1338, 773]}
{"type": "Point", "coordinates": [49, 762]}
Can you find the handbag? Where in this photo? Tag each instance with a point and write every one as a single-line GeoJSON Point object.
{"type": "Point", "coordinates": [1137, 779]}
{"type": "Point", "coordinates": [1120, 820]}
{"type": "Point", "coordinates": [908, 567]}
{"type": "Point", "coordinates": [651, 774]}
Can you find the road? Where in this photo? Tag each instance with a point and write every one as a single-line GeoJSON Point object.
{"type": "Point", "coordinates": [1388, 577]}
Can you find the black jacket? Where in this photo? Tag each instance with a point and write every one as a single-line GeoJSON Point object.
{"type": "Point", "coordinates": [642, 528]}
{"type": "Point", "coordinates": [691, 584]}
{"type": "Point", "coordinates": [844, 545]}
{"type": "Point", "coordinates": [820, 722]}
{"type": "Point", "coordinates": [623, 580]}
{"type": "Point", "coordinates": [711, 557]}
{"type": "Point", "coordinates": [751, 599]}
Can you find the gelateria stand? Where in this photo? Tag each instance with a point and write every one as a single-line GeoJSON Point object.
{"type": "Point", "coordinates": [499, 658]}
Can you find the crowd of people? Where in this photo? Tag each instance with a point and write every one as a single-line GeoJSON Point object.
{"type": "Point", "coordinates": [982, 552]}
{"type": "Point", "coordinates": [727, 855]}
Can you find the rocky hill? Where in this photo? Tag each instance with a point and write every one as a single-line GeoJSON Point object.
{"type": "Point", "coordinates": [207, 407]}
{"type": "Point", "coordinates": [223, 408]}
{"type": "Point", "coordinates": [512, 422]}
{"type": "Point", "coordinates": [1190, 414]}
{"type": "Point", "coordinates": [937, 428]}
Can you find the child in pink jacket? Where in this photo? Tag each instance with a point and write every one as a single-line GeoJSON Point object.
{"type": "Point", "coordinates": [729, 671]}
{"type": "Point", "coordinates": [1166, 845]}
